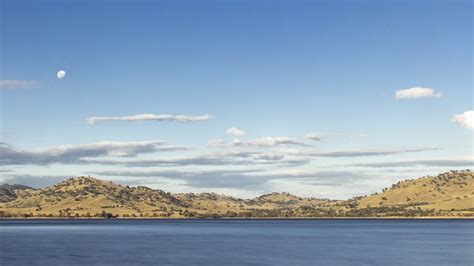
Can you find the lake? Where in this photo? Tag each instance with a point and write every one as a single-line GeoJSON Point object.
{"type": "Point", "coordinates": [237, 242]}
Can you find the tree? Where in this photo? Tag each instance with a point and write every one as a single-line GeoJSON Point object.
{"type": "Point", "coordinates": [107, 215]}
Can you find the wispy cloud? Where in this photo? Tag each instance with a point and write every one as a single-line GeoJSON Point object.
{"type": "Point", "coordinates": [233, 131]}
{"type": "Point", "coordinates": [35, 181]}
{"type": "Point", "coordinates": [149, 117]}
{"type": "Point", "coordinates": [414, 163]}
{"type": "Point", "coordinates": [466, 119]}
{"type": "Point", "coordinates": [217, 143]}
{"type": "Point", "coordinates": [270, 141]}
{"type": "Point", "coordinates": [17, 84]}
{"type": "Point", "coordinates": [213, 159]}
{"type": "Point", "coordinates": [360, 152]}
{"type": "Point", "coordinates": [242, 179]}
{"type": "Point", "coordinates": [416, 92]}
{"type": "Point", "coordinates": [315, 136]}
{"type": "Point", "coordinates": [239, 157]}
{"type": "Point", "coordinates": [68, 154]}
{"type": "Point", "coordinates": [259, 142]}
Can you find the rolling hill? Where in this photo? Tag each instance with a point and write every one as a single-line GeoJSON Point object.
{"type": "Point", "coordinates": [11, 192]}
{"type": "Point", "coordinates": [449, 194]}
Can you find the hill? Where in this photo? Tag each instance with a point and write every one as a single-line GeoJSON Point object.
{"type": "Point", "coordinates": [11, 192]}
{"type": "Point", "coordinates": [449, 194]}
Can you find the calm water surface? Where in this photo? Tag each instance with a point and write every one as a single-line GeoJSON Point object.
{"type": "Point", "coordinates": [237, 242]}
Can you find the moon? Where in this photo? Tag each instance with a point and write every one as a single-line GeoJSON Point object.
{"type": "Point", "coordinates": [61, 74]}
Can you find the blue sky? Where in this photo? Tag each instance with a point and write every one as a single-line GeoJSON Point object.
{"type": "Point", "coordinates": [276, 70]}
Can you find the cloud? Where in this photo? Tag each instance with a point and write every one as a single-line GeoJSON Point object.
{"type": "Point", "coordinates": [149, 117]}
{"type": "Point", "coordinates": [259, 142]}
{"type": "Point", "coordinates": [347, 186]}
{"type": "Point", "coordinates": [217, 143]}
{"type": "Point", "coordinates": [270, 141]}
{"type": "Point", "coordinates": [254, 179]}
{"type": "Point", "coordinates": [239, 157]}
{"type": "Point", "coordinates": [17, 84]}
{"type": "Point", "coordinates": [233, 131]}
{"type": "Point", "coordinates": [466, 119]}
{"type": "Point", "coordinates": [255, 152]}
{"type": "Point", "coordinates": [315, 136]}
{"type": "Point", "coordinates": [68, 154]}
{"type": "Point", "coordinates": [213, 159]}
{"type": "Point", "coordinates": [35, 181]}
{"type": "Point", "coordinates": [359, 152]}
{"type": "Point", "coordinates": [416, 92]}
{"type": "Point", "coordinates": [218, 178]}
{"type": "Point", "coordinates": [426, 163]}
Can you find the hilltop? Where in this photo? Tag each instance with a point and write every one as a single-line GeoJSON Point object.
{"type": "Point", "coordinates": [449, 194]}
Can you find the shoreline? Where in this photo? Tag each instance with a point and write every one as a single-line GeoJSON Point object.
{"type": "Point", "coordinates": [237, 219]}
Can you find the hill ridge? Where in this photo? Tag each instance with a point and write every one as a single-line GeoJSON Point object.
{"type": "Point", "coordinates": [449, 194]}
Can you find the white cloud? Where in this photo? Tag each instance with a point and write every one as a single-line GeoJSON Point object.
{"type": "Point", "coordinates": [357, 152]}
{"type": "Point", "coordinates": [111, 148]}
{"type": "Point", "coordinates": [321, 187]}
{"type": "Point", "coordinates": [443, 162]}
{"type": "Point", "coordinates": [272, 141]}
{"type": "Point", "coordinates": [149, 117]}
{"type": "Point", "coordinates": [417, 92]}
{"type": "Point", "coordinates": [269, 142]}
{"type": "Point", "coordinates": [236, 142]}
{"type": "Point", "coordinates": [466, 119]}
{"type": "Point", "coordinates": [17, 84]}
{"type": "Point", "coordinates": [233, 131]}
{"type": "Point", "coordinates": [71, 154]}
{"type": "Point", "coordinates": [226, 158]}
{"type": "Point", "coordinates": [217, 143]}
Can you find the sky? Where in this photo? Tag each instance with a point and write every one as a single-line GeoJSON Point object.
{"type": "Point", "coordinates": [329, 99]}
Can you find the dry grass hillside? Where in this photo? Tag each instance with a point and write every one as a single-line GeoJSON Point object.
{"type": "Point", "coordinates": [450, 191]}
{"type": "Point", "coordinates": [87, 196]}
{"type": "Point", "coordinates": [448, 194]}
{"type": "Point", "coordinates": [11, 192]}
{"type": "Point", "coordinates": [91, 197]}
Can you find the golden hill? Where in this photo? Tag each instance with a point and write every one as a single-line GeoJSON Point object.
{"type": "Point", "coordinates": [450, 191]}
{"type": "Point", "coordinates": [449, 194]}
{"type": "Point", "coordinates": [11, 192]}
